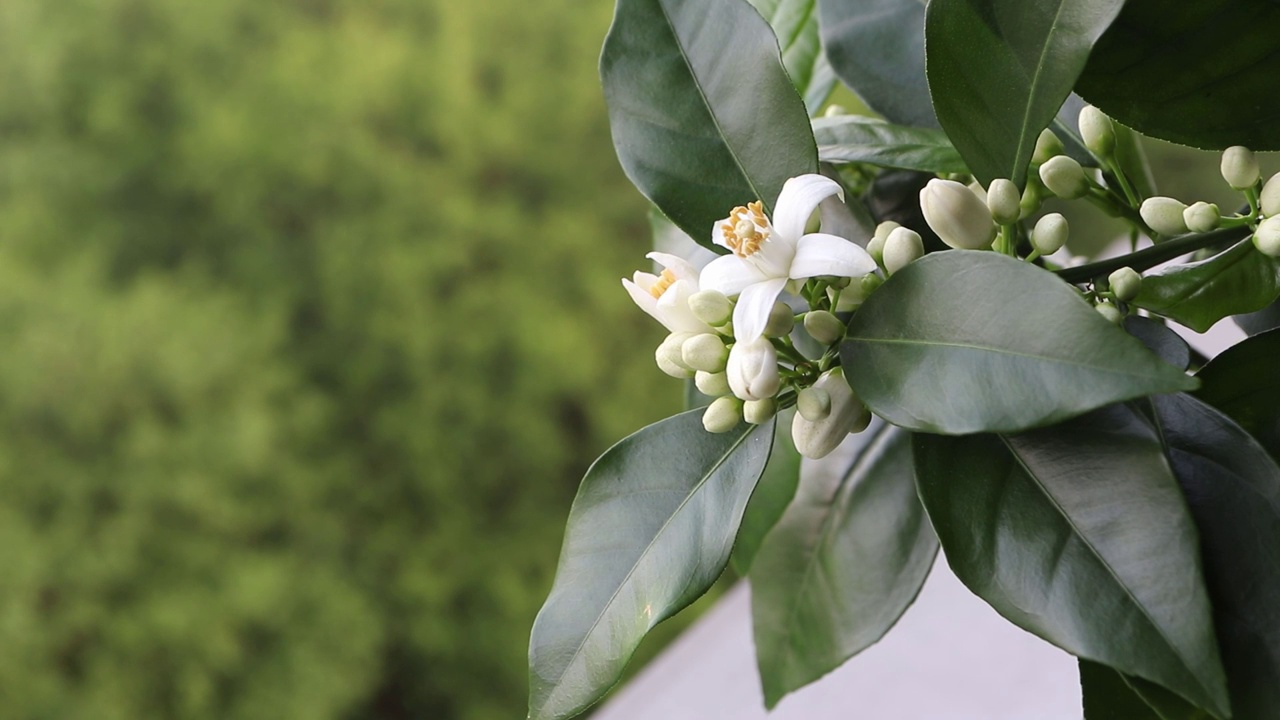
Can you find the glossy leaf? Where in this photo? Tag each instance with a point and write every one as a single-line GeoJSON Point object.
{"type": "Point", "coordinates": [877, 49]}
{"type": "Point", "coordinates": [966, 341]}
{"type": "Point", "coordinates": [1160, 340]}
{"type": "Point", "coordinates": [773, 493]}
{"type": "Point", "coordinates": [1199, 294]}
{"type": "Point", "coordinates": [650, 530]}
{"type": "Point", "coordinates": [1261, 321]}
{"type": "Point", "coordinates": [857, 139]}
{"type": "Point", "coordinates": [1191, 72]}
{"type": "Point", "coordinates": [1080, 535]}
{"type": "Point", "coordinates": [999, 70]}
{"type": "Point", "coordinates": [1233, 488]}
{"type": "Point", "coordinates": [704, 117]}
{"type": "Point", "coordinates": [846, 560]}
{"type": "Point", "coordinates": [1107, 696]}
{"type": "Point", "coordinates": [1243, 383]}
{"type": "Point", "coordinates": [795, 22]}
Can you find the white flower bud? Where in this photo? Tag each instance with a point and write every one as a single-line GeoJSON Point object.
{"type": "Point", "coordinates": [704, 352]}
{"type": "Point", "coordinates": [1064, 177]}
{"type": "Point", "coordinates": [753, 369]}
{"type": "Point", "coordinates": [1110, 312]}
{"type": "Point", "coordinates": [1270, 197]}
{"type": "Point", "coordinates": [1125, 283]}
{"type": "Point", "coordinates": [758, 412]}
{"type": "Point", "coordinates": [817, 438]}
{"type": "Point", "coordinates": [1004, 201]}
{"type": "Point", "coordinates": [823, 326]}
{"type": "Point", "coordinates": [711, 307]}
{"type": "Point", "coordinates": [1164, 215]}
{"type": "Point", "coordinates": [813, 403]}
{"type": "Point", "coordinates": [1049, 234]}
{"type": "Point", "coordinates": [781, 320]}
{"type": "Point", "coordinates": [1267, 237]}
{"type": "Point", "coordinates": [1240, 167]}
{"type": "Point", "coordinates": [957, 215]}
{"type": "Point", "coordinates": [713, 384]}
{"type": "Point", "coordinates": [722, 415]}
{"type": "Point", "coordinates": [670, 357]}
{"type": "Point", "coordinates": [1098, 133]}
{"type": "Point", "coordinates": [1201, 217]}
{"type": "Point", "coordinates": [902, 247]}
{"type": "Point", "coordinates": [875, 247]}
{"type": "Point", "coordinates": [1047, 146]}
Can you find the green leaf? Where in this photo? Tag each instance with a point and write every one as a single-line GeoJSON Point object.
{"type": "Point", "coordinates": [1243, 383]}
{"type": "Point", "coordinates": [999, 70]}
{"type": "Point", "coordinates": [1191, 72]}
{"type": "Point", "coordinates": [1108, 697]}
{"type": "Point", "coordinates": [1233, 488]}
{"type": "Point", "coordinates": [795, 22]}
{"type": "Point", "coordinates": [704, 116]}
{"type": "Point", "coordinates": [856, 139]}
{"type": "Point", "coordinates": [969, 341]}
{"type": "Point", "coordinates": [846, 560]}
{"type": "Point", "coordinates": [1268, 318]}
{"type": "Point", "coordinates": [1199, 294]}
{"type": "Point", "coordinates": [1079, 534]}
{"type": "Point", "coordinates": [1160, 340]}
{"type": "Point", "coordinates": [877, 49]}
{"type": "Point", "coordinates": [773, 493]}
{"type": "Point", "coordinates": [649, 532]}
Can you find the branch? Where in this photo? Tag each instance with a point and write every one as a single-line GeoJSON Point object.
{"type": "Point", "coordinates": [1148, 258]}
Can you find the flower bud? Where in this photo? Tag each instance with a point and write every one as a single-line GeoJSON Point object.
{"type": "Point", "coordinates": [902, 247]}
{"type": "Point", "coordinates": [704, 352]}
{"type": "Point", "coordinates": [875, 247]}
{"type": "Point", "coordinates": [1239, 167]}
{"type": "Point", "coordinates": [1267, 237]}
{"type": "Point", "coordinates": [817, 438]}
{"type": "Point", "coordinates": [1125, 283]}
{"type": "Point", "coordinates": [1049, 234]}
{"type": "Point", "coordinates": [781, 320]}
{"type": "Point", "coordinates": [957, 215]}
{"type": "Point", "coordinates": [711, 307]}
{"type": "Point", "coordinates": [1164, 215]}
{"type": "Point", "coordinates": [1201, 217]}
{"type": "Point", "coordinates": [823, 326]}
{"type": "Point", "coordinates": [758, 412]}
{"type": "Point", "coordinates": [722, 415]}
{"type": "Point", "coordinates": [1110, 312]}
{"type": "Point", "coordinates": [670, 358]}
{"type": "Point", "coordinates": [1047, 145]}
{"type": "Point", "coordinates": [813, 403]}
{"type": "Point", "coordinates": [1064, 177]}
{"type": "Point", "coordinates": [712, 384]}
{"type": "Point", "coordinates": [1270, 197]}
{"type": "Point", "coordinates": [834, 111]}
{"type": "Point", "coordinates": [1098, 133]}
{"type": "Point", "coordinates": [1004, 201]}
{"type": "Point", "coordinates": [753, 369]}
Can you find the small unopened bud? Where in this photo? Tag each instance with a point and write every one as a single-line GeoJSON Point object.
{"type": "Point", "coordinates": [1004, 201]}
{"type": "Point", "coordinates": [1267, 237]}
{"type": "Point", "coordinates": [823, 326]}
{"type": "Point", "coordinates": [1125, 283]}
{"type": "Point", "coordinates": [1064, 177]}
{"type": "Point", "coordinates": [813, 403]}
{"type": "Point", "coordinates": [670, 357]}
{"type": "Point", "coordinates": [753, 369]}
{"type": "Point", "coordinates": [711, 307]}
{"type": "Point", "coordinates": [758, 412]}
{"type": "Point", "coordinates": [1270, 197]}
{"type": "Point", "coordinates": [722, 415]}
{"type": "Point", "coordinates": [834, 111]}
{"type": "Point", "coordinates": [902, 247]}
{"type": "Point", "coordinates": [817, 438]}
{"type": "Point", "coordinates": [1110, 312]}
{"type": "Point", "coordinates": [713, 384]}
{"type": "Point", "coordinates": [869, 283]}
{"type": "Point", "coordinates": [704, 352]}
{"type": "Point", "coordinates": [781, 320]}
{"type": "Point", "coordinates": [1201, 217]}
{"type": "Point", "coordinates": [1047, 146]}
{"type": "Point", "coordinates": [1164, 215]}
{"type": "Point", "coordinates": [957, 215]}
{"type": "Point", "coordinates": [1240, 167]}
{"type": "Point", "coordinates": [1098, 133]}
{"type": "Point", "coordinates": [1049, 234]}
{"type": "Point", "coordinates": [875, 247]}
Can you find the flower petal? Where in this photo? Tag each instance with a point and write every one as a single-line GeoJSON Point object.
{"type": "Point", "coordinates": [683, 269]}
{"type": "Point", "coordinates": [674, 311]}
{"type": "Point", "coordinates": [646, 301]}
{"type": "Point", "coordinates": [755, 303]}
{"type": "Point", "coordinates": [717, 233]}
{"type": "Point", "coordinates": [797, 201]}
{"type": "Point", "coordinates": [820, 254]}
{"type": "Point", "coordinates": [729, 274]}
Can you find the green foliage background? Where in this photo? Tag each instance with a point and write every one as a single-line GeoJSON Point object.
{"type": "Point", "coordinates": [311, 323]}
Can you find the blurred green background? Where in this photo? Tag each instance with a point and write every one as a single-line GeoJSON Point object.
{"type": "Point", "coordinates": [310, 323]}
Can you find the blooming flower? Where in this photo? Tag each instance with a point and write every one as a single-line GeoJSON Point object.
{"type": "Point", "coordinates": [666, 296]}
{"type": "Point", "coordinates": [767, 255]}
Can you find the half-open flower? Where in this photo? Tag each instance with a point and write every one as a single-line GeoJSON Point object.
{"type": "Point", "coordinates": [767, 255]}
{"type": "Point", "coordinates": [666, 296]}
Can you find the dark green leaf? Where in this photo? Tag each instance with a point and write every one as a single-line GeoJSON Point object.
{"type": "Point", "coordinates": [704, 116]}
{"type": "Point", "coordinates": [1166, 705]}
{"type": "Point", "coordinates": [1108, 697]}
{"type": "Point", "coordinates": [1265, 319]}
{"type": "Point", "coordinates": [796, 24]}
{"type": "Point", "coordinates": [967, 341]}
{"type": "Point", "coordinates": [1199, 294]}
{"type": "Point", "coordinates": [1243, 383]}
{"type": "Point", "coordinates": [650, 530]}
{"type": "Point", "coordinates": [851, 138]}
{"type": "Point", "coordinates": [772, 495]}
{"type": "Point", "coordinates": [1160, 340]}
{"type": "Point", "coordinates": [877, 49]}
{"type": "Point", "coordinates": [999, 70]}
{"type": "Point", "coordinates": [1079, 534]}
{"type": "Point", "coordinates": [843, 564]}
{"type": "Point", "coordinates": [1233, 488]}
{"type": "Point", "coordinates": [1191, 72]}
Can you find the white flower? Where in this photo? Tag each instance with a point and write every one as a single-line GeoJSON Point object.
{"type": "Point", "coordinates": [817, 438]}
{"type": "Point", "coordinates": [767, 255]}
{"type": "Point", "coordinates": [753, 369]}
{"type": "Point", "coordinates": [666, 296]}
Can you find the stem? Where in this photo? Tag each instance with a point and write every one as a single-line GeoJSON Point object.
{"type": "Point", "coordinates": [1123, 182]}
{"type": "Point", "coordinates": [1148, 258]}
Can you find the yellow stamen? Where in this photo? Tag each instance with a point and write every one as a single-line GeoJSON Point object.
{"type": "Point", "coordinates": [746, 229]}
{"type": "Point", "coordinates": [665, 280]}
